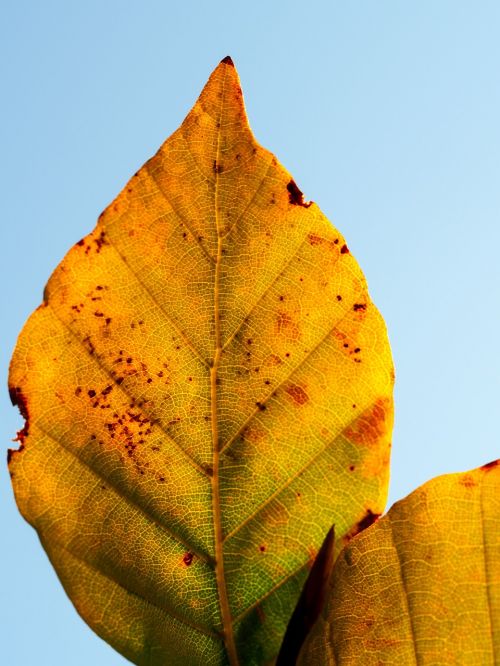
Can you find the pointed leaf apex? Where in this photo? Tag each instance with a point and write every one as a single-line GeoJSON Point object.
{"type": "Point", "coordinates": [228, 61]}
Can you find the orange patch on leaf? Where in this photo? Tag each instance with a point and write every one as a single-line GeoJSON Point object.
{"type": "Point", "coordinates": [297, 393]}
{"type": "Point", "coordinates": [286, 326]}
{"type": "Point", "coordinates": [467, 481]}
{"type": "Point", "coordinates": [371, 425]}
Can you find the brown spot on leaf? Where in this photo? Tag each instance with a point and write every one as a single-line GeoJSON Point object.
{"type": "Point", "coordinates": [100, 241]}
{"type": "Point", "coordinates": [18, 399]}
{"type": "Point", "coordinates": [228, 61]}
{"type": "Point", "coordinates": [297, 393]}
{"type": "Point", "coordinates": [491, 465]}
{"type": "Point", "coordinates": [21, 436]}
{"type": "Point", "coordinates": [188, 559]}
{"type": "Point", "coordinates": [368, 519]}
{"type": "Point", "coordinates": [359, 307]}
{"type": "Point", "coordinates": [295, 196]}
{"type": "Point", "coordinates": [344, 249]}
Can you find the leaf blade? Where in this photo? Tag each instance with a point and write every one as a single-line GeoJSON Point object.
{"type": "Point", "coordinates": [423, 584]}
{"type": "Point", "coordinates": [189, 467]}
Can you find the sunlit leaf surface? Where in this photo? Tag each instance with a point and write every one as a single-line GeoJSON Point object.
{"type": "Point", "coordinates": [422, 585]}
{"type": "Point", "coordinates": [207, 388]}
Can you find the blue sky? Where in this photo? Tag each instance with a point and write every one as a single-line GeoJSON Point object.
{"type": "Point", "coordinates": [387, 114]}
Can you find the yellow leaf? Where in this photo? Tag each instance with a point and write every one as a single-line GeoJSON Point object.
{"type": "Point", "coordinates": [207, 388]}
{"type": "Point", "coordinates": [422, 585]}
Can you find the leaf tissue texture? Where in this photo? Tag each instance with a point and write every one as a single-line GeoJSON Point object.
{"type": "Point", "coordinates": [422, 585]}
{"type": "Point", "coordinates": [207, 388]}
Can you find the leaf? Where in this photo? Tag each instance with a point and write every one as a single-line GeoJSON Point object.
{"type": "Point", "coordinates": [207, 388]}
{"type": "Point", "coordinates": [422, 585]}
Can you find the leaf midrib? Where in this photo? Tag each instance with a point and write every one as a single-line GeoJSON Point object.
{"type": "Point", "coordinates": [227, 622]}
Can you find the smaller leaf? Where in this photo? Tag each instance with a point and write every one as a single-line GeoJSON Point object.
{"type": "Point", "coordinates": [422, 585]}
{"type": "Point", "coordinates": [310, 603]}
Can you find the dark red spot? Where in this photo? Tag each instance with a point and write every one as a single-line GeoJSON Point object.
{"type": "Point", "coordinates": [491, 465]}
{"type": "Point", "coordinates": [368, 519]}
{"type": "Point", "coordinates": [81, 242]}
{"type": "Point", "coordinates": [18, 398]}
{"type": "Point", "coordinates": [107, 390]}
{"type": "Point", "coordinates": [188, 559]}
{"type": "Point", "coordinates": [228, 61]}
{"type": "Point", "coordinates": [21, 436]}
{"type": "Point", "coordinates": [260, 406]}
{"type": "Point", "coordinates": [295, 196]}
{"type": "Point", "coordinates": [262, 548]}
{"type": "Point", "coordinates": [91, 393]}
{"type": "Point", "coordinates": [344, 249]}
{"type": "Point", "coordinates": [339, 297]}
{"type": "Point", "coordinates": [10, 453]}
{"type": "Point", "coordinates": [100, 240]}
{"type": "Point", "coordinates": [359, 306]}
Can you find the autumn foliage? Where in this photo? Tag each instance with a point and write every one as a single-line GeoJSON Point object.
{"type": "Point", "coordinates": [207, 389]}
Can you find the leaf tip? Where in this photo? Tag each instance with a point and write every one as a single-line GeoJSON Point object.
{"type": "Point", "coordinates": [227, 61]}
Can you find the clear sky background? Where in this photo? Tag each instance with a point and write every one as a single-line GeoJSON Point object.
{"type": "Point", "coordinates": [387, 114]}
